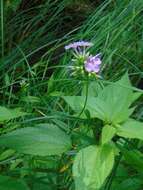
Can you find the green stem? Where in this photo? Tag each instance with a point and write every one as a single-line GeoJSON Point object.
{"type": "Point", "coordinates": [85, 101]}
{"type": "Point", "coordinates": [2, 29]}
{"type": "Point", "coordinates": [86, 96]}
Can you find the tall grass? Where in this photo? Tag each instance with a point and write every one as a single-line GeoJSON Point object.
{"type": "Point", "coordinates": [116, 30]}
{"type": "Point", "coordinates": [36, 41]}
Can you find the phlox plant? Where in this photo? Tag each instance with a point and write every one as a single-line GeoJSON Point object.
{"type": "Point", "coordinates": [70, 118]}
{"type": "Point", "coordinates": [112, 105]}
{"type": "Point", "coordinates": [86, 149]}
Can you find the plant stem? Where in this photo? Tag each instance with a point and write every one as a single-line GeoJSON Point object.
{"type": "Point", "coordinates": [2, 29]}
{"type": "Point", "coordinates": [86, 96]}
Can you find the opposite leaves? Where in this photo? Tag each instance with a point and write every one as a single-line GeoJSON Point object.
{"type": "Point", "coordinates": [112, 103]}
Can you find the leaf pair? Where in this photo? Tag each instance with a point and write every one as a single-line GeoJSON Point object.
{"type": "Point", "coordinates": [112, 103]}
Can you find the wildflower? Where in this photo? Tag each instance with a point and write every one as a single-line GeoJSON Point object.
{"type": "Point", "coordinates": [83, 61]}
{"type": "Point", "coordinates": [92, 64]}
{"type": "Point", "coordinates": [79, 44]}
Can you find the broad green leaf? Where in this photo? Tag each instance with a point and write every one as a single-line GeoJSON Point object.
{"type": "Point", "coordinates": [131, 129]}
{"type": "Point", "coordinates": [91, 167]}
{"type": "Point", "coordinates": [8, 183]}
{"type": "Point", "coordinates": [123, 85]}
{"type": "Point", "coordinates": [95, 106]}
{"type": "Point", "coordinates": [107, 133]}
{"type": "Point", "coordinates": [112, 104]}
{"type": "Point", "coordinates": [46, 139]}
{"type": "Point", "coordinates": [94, 88]}
{"type": "Point", "coordinates": [117, 98]}
{"type": "Point", "coordinates": [7, 114]}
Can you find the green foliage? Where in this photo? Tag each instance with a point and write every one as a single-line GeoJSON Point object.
{"type": "Point", "coordinates": [12, 4]}
{"type": "Point", "coordinates": [6, 154]}
{"type": "Point", "coordinates": [7, 183]}
{"type": "Point", "coordinates": [108, 133]}
{"type": "Point", "coordinates": [8, 114]}
{"type": "Point", "coordinates": [131, 129]}
{"type": "Point", "coordinates": [91, 167]}
{"type": "Point", "coordinates": [35, 74]}
{"type": "Point", "coordinates": [47, 139]}
{"type": "Point", "coordinates": [129, 184]}
{"type": "Point", "coordinates": [117, 99]}
{"type": "Point", "coordinates": [134, 158]}
{"type": "Point", "coordinates": [112, 105]}
{"type": "Point", "coordinates": [93, 105]}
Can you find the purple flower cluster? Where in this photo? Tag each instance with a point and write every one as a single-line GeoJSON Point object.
{"type": "Point", "coordinates": [75, 45]}
{"type": "Point", "coordinates": [92, 63]}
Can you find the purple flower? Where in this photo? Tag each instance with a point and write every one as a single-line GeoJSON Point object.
{"type": "Point", "coordinates": [76, 45]}
{"type": "Point", "coordinates": [92, 64]}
